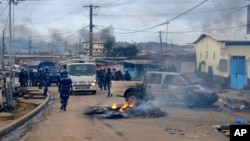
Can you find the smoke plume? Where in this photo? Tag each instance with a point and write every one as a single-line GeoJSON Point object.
{"type": "Point", "coordinates": [105, 34]}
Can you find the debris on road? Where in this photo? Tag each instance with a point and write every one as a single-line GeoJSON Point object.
{"type": "Point", "coordinates": [175, 131]}
{"type": "Point", "coordinates": [127, 110]}
{"type": "Point", "coordinates": [225, 128]}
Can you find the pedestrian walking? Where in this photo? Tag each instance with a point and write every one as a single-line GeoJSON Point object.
{"type": "Point", "coordinates": [64, 86]}
{"type": "Point", "coordinates": [100, 79]}
{"type": "Point", "coordinates": [107, 79]}
{"type": "Point", "coordinates": [46, 78]}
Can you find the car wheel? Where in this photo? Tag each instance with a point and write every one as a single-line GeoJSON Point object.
{"type": "Point", "coordinates": [131, 97]}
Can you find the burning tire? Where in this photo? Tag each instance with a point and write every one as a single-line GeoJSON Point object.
{"type": "Point", "coordinates": [131, 97]}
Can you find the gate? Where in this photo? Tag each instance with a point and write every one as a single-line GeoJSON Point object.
{"type": "Point", "coordinates": [238, 72]}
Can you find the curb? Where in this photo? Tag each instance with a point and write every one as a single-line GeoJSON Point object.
{"type": "Point", "coordinates": [18, 122]}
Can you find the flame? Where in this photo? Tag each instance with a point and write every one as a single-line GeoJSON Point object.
{"type": "Point", "coordinates": [125, 106]}
{"type": "Point", "coordinates": [114, 106]}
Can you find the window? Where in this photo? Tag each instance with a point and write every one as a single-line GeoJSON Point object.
{"type": "Point", "coordinates": [223, 65]}
{"type": "Point", "coordinates": [155, 78]}
{"type": "Point", "coordinates": [173, 80]}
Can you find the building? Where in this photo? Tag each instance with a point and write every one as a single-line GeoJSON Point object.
{"type": "Point", "coordinates": [172, 61]}
{"type": "Point", "coordinates": [97, 48]}
{"type": "Point", "coordinates": [227, 55]}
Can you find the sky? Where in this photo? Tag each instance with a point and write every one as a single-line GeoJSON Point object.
{"type": "Point", "coordinates": [126, 20]}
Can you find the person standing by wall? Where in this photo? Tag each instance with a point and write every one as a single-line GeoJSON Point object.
{"type": "Point", "coordinates": [64, 86]}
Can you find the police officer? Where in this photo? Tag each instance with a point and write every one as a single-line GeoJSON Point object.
{"type": "Point", "coordinates": [64, 86]}
{"type": "Point", "coordinates": [46, 78]}
{"type": "Point", "coordinates": [40, 78]}
{"type": "Point", "coordinates": [32, 79]}
{"type": "Point", "coordinates": [26, 78]}
{"type": "Point", "coordinates": [22, 78]}
{"type": "Point", "coordinates": [107, 79]}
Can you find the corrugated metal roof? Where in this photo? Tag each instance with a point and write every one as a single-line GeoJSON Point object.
{"type": "Point", "coordinates": [235, 37]}
{"type": "Point", "coordinates": [226, 37]}
{"type": "Point", "coordinates": [138, 61]}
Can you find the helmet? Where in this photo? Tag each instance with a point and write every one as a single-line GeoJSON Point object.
{"type": "Point", "coordinates": [64, 73]}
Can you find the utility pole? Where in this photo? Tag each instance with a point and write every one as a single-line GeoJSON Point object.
{"type": "Point", "coordinates": [29, 45]}
{"type": "Point", "coordinates": [161, 43]}
{"type": "Point", "coordinates": [2, 52]}
{"type": "Point", "coordinates": [80, 47]}
{"type": "Point", "coordinates": [161, 51]}
{"type": "Point", "coordinates": [65, 46]}
{"type": "Point", "coordinates": [10, 94]}
{"type": "Point", "coordinates": [248, 19]}
{"type": "Point", "coordinates": [167, 35]}
{"type": "Point", "coordinates": [91, 29]}
{"type": "Point", "coordinates": [3, 69]}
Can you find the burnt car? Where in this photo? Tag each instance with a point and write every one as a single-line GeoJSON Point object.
{"type": "Point", "coordinates": [170, 85]}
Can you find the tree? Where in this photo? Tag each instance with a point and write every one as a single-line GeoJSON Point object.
{"type": "Point", "coordinates": [128, 51]}
{"type": "Point", "coordinates": [108, 46]}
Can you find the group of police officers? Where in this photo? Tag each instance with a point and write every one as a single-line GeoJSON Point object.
{"type": "Point", "coordinates": [42, 78]}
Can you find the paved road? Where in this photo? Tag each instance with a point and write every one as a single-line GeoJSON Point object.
{"type": "Point", "coordinates": [179, 125]}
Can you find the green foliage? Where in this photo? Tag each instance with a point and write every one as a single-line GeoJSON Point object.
{"type": "Point", "coordinates": [223, 83]}
{"type": "Point", "coordinates": [128, 51]}
{"type": "Point", "coordinates": [108, 46]}
{"type": "Point", "coordinates": [246, 87]}
{"type": "Point", "coordinates": [70, 52]}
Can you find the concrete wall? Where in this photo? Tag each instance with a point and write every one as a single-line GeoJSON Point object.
{"type": "Point", "coordinates": [210, 51]}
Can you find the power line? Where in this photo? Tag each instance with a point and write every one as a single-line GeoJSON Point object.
{"type": "Point", "coordinates": [218, 20]}
{"type": "Point", "coordinates": [184, 13]}
{"type": "Point", "coordinates": [174, 18]}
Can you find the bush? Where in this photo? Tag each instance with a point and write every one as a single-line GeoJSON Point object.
{"type": "Point", "coordinates": [246, 87]}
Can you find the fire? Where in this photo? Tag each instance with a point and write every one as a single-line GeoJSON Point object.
{"type": "Point", "coordinates": [114, 106]}
{"type": "Point", "coordinates": [122, 108]}
{"type": "Point", "coordinates": [125, 106]}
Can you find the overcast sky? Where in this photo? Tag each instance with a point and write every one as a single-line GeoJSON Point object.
{"type": "Point", "coordinates": [61, 20]}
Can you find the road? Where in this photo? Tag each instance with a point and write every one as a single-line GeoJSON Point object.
{"type": "Point", "coordinates": [180, 124]}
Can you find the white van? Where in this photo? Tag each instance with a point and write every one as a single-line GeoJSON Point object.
{"type": "Point", "coordinates": [83, 76]}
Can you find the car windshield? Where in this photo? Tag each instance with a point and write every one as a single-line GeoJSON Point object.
{"type": "Point", "coordinates": [82, 69]}
{"type": "Point", "coordinates": [53, 69]}
{"type": "Point", "coordinates": [33, 68]}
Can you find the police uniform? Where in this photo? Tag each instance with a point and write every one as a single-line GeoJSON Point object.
{"type": "Point", "coordinates": [64, 86]}
{"type": "Point", "coordinates": [46, 78]}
